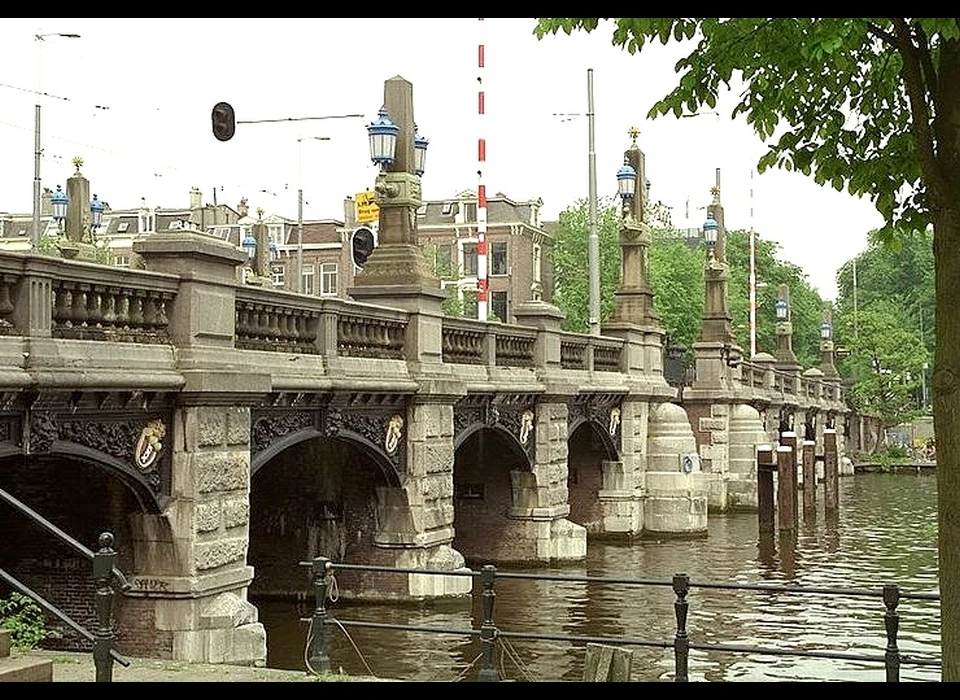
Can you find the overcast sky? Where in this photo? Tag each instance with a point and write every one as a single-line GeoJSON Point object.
{"type": "Point", "coordinates": [133, 97]}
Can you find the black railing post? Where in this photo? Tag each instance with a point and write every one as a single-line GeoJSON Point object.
{"type": "Point", "coordinates": [317, 659]}
{"type": "Point", "coordinates": [891, 620]}
{"type": "Point", "coordinates": [488, 630]}
{"type": "Point", "coordinates": [681, 645]}
{"type": "Point", "coordinates": [104, 561]}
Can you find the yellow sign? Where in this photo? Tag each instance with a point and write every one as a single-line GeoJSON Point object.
{"type": "Point", "coordinates": [367, 209]}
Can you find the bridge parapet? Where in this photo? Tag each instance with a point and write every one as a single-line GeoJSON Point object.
{"type": "Point", "coordinates": [52, 297]}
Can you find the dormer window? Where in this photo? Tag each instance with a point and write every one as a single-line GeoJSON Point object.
{"type": "Point", "coordinates": [446, 208]}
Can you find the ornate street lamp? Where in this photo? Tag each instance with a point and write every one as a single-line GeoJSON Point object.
{"type": "Point", "coordinates": [783, 310]}
{"type": "Point", "coordinates": [626, 181]}
{"type": "Point", "coordinates": [96, 212]}
{"type": "Point", "coordinates": [383, 139]}
{"type": "Point", "coordinates": [250, 245]}
{"type": "Point", "coordinates": [710, 229]}
{"type": "Point", "coordinates": [419, 151]}
{"type": "Point", "coordinates": [826, 330]}
{"type": "Point", "coordinates": [59, 200]}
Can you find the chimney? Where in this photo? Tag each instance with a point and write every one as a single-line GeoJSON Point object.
{"type": "Point", "coordinates": [196, 200]}
{"type": "Point", "coordinates": [242, 208]}
{"type": "Point", "coordinates": [349, 212]}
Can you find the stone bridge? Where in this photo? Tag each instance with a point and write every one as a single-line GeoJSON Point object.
{"type": "Point", "coordinates": [226, 433]}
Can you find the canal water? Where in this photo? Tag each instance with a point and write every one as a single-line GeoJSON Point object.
{"type": "Point", "coordinates": [886, 532]}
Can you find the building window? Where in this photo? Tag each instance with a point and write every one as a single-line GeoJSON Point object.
{"type": "Point", "coordinates": [279, 275]}
{"type": "Point", "coordinates": [498, 305]}
{"type": "Point", "coordinates": [446, 208]}
{"type": "Point", "coordinates": [122, 227]}
{"type": "Point", "coordinates": [308, 282]}
{"type": "Point", "coordinates": [328, 279]}
{"type": "Point", "coordinates": [275, 233]}
{"type": "Point", "coordinates": [470, 306]}
{"type": "Point", "coordinates": [121, 260]}
{"type": "Point", "coordinates": [470, 259]}
{"type": "Point", "coordinates": [498, 258]}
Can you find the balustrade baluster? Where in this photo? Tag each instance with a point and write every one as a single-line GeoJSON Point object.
{"type": "Point", "coordinates": [79, 311]}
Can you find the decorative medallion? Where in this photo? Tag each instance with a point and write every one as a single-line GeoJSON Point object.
{"type": "Point", "coordinates": [149, 445]}
{"type": "Point", "coordinates": [394, 432]}
{"type": "Point", "coordinates": [614, 424]}
{"type": "Point", "coordinates": [526, 426]}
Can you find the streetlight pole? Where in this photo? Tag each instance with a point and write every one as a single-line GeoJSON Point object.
{"type": "Point", "coordinates": [300, 207]}
{"type": "Point", "coordinates": [593, 241]}
{"type": "Point", "coordinates": [35, 231]}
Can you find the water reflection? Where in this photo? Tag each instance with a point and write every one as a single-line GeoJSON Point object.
{"type": "Point", "coordinates": [885, 533]}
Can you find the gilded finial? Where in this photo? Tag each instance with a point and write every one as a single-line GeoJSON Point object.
{"type": "Point", "coordinates": [715, 191]}
{"type": "Point", "coordinates": [259, 213]}
{"type": "Point", "coordinates": [77, 162]}
{"type": "Point", "coordinates": [633, 133]}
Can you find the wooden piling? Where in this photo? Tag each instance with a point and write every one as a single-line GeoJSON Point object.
{"type": "Point", "coordinates": [809, 480]}
{"type": "Point", "coordinates": [786, 488]}
{"type": "Point", "coordinates": [831, 474]}
{"type": "Point", "coordinates": [766, 465]}
{"type": "Point", "coordinates": [789, 439]}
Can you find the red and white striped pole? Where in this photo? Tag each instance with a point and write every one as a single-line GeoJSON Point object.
{"type": "Point", "coordinates": [481, 193]}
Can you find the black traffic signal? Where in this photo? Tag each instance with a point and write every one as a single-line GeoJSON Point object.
{"type": "Point", "coordinates": [362, 244]}
{"type": "Point", "coordinates": [224, 121]}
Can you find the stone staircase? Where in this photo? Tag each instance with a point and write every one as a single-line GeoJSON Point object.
{"type": "Point", "coordinates": [22, 668]}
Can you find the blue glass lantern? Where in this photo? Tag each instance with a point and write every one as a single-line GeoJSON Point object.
{"type": "Point", "coordinates": [383, 139]}
{"type": "Point", "coordinates": [59, 200]}
{"type": "Point", "coordinates": [826, 330]}
{"type": "Point", "coordinates": [419, 151]}
{"type": "Point", "coordinates": [250, 245]}
{"type": "Point", "coordinates": [626, 181]}
{"type": "Point", "coordinates": [96, 212]}
{"type": "Point", "coordinates": [783, 310]}
{"type": "Point", "coordinates": [710, 229]}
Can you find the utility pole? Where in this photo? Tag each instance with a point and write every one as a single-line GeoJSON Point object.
{"type": "Point", "coordinates": [593, 240]}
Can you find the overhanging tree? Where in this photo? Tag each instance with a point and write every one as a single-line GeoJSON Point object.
{"type": "Point", "coordinates": [867, 104]}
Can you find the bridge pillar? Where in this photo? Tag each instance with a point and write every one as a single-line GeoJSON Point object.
{"type": "Point", "coordinates": [676, 487]}
{"type": "Point", "coordinates": [191, 574]}
{"type": "Point", "coordinates": [416, 519]}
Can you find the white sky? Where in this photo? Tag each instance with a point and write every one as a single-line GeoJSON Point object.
{"type": "Point", "coordinates": [159, 79]}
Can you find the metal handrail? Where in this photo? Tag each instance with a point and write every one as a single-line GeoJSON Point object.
{"type": "Point", "coordinates": [106, 576]}
{"type": "Point", "coordinates": [892, 658]}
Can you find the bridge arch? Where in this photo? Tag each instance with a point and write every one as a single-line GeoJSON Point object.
{"type": "Point", "coordinates": [491, 479]}
{"type": "Point", "coordinates": [588, 448]}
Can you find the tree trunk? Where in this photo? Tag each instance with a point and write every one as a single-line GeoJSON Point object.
{"type": "Point", "coordinates": [946, 421]}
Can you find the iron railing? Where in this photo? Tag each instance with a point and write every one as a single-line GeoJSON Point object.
{"type": "Point", "coordinates": [106, 576]}
{"type": "Point", "coordinates": [491, 635]}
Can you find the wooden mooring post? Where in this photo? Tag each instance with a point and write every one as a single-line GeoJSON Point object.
{"type": "Point", "coordinates": [831, 474]}
{"type": "Point", "coordinates": [766, 466]}
{"type": "Point", "coordinates": [786, 488]}
{"type": "Point", "coordinates": [789, 482]}
{"type": "Point", "coordinates": [809, 480]}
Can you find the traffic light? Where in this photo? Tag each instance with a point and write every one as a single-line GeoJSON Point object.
{"type": "Point", "coordinates": [362, 244]}
{"type": "Point", "coordinates": [224, 121]}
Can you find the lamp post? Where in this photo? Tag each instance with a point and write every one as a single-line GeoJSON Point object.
{"type": "Point", "coordinates": [35, 232]}
{"type": "Point", "coordinates": [300, 206]}
{"type": "Point", "coordinates": [96, 212]}
{"type": "Point", "coordinates": [710, 229]}
{"type": "Point", "coordinates": [59, 201]}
